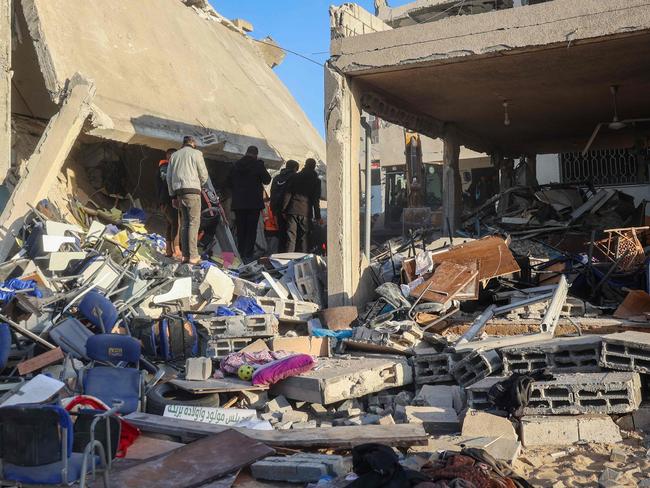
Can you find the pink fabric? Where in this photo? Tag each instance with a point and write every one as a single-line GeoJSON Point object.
{"type": "Point", "coordinates": [271, 373]}
{"type": "Point", "coordinates": [232, 362]}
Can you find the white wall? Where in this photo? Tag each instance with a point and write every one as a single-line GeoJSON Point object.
{"type": "Point", "coordinates": [548, 171]}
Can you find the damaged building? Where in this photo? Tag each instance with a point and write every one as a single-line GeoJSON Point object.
{"type": "Point", "coordinates": [560, 78]}
{"type": "Point", "coordinates": [97, 97]}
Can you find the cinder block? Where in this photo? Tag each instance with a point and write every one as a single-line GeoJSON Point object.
{"type": "Point", "coordinates": [435, 420]}
{"type": "Point", "coordinates": [239, 326]}
{"type": "Point", "coordinates": [278, 405]}
{"type": "Point", "coordinates": [300, 468]}
{"type": "Point", "coordinates": [627, 351]}
{"type": "Point", "coordinates": [435, 396]}
{"type": "Point", "coordinates": [476, 366]}
{"type": "Point", "coordinates": [293, 311]}
{"type": "Point", "coordinates": [431, 368]}
{"type": "Point", "coordinates": [567, 430]}
{"type": "Point", "coordinates": [483, 424]}
{"type": "Point", "coordinates": [220, 348]}
{"type": "Point", "coordinates": [477, 394]}
{"type": "Point", "coordinates": [198, 369]}
{"type": "Point", "coordinates": [602, 393]}
{"type": "Point", "coordinates": [561, 355]}
{"type": "Point", "coordinates": [295, 416]}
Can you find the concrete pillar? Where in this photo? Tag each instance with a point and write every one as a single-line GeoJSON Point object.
{"type": "Point", "coordinates": [506, 175]}
{"type": "Point", "coordinates": [452, 190]}
{"type": "Point", "coordinates": [5, 88]}
{"type": "Point", "coordinates": [44, 165]}
{"type": "Point", "coordinates": [343, 127]}
{"type": "Point", "coordinates": [531, 170]}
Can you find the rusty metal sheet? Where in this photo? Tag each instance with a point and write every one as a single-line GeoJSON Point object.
{"type": "Point", "coordinates": [636, 304]}
{"type": "Point", "coordinates": [447, 280]}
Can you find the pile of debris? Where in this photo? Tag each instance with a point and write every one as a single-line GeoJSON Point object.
{"type": "Point", "coordinates": [466, 356]}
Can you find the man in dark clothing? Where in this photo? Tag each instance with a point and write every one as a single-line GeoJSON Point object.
{"type": "Point", "coordinates": [247, 180]}
{"type": "Point", "coordinates": [301, 204]}
{"type": "Point", "coordinates": [166, 207]}
{"type": "Point", "coordinates": [278, 190]}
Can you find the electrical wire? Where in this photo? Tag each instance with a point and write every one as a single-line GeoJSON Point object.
{"type": "Point", "coordinates": [290, 51]}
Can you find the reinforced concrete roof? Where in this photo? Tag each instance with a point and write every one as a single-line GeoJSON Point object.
{"type": "Point", "coordinates": [553, 63]}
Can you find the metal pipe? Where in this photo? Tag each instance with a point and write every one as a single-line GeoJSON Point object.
{"type": "Point", "coordinates": [368, 219]}
{"type": "Point", "coordinates": [477, 326]}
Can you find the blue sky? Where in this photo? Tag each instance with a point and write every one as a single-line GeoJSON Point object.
{"type": "Point", "coordinates": [298, 25]}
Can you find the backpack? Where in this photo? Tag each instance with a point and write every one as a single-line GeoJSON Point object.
{"type": "Point", "coordinates": [168, 338]}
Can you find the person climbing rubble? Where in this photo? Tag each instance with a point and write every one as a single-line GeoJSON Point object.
{"type": "Point", "coordinates": [167, 208]}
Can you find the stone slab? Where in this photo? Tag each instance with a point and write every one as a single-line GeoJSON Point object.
{"type": "Point", "coordinates": [568, 430]}
{"type": "Point", "coordinates": [436, 420]}
{"type": "Point", "coordinates": [336, 379]}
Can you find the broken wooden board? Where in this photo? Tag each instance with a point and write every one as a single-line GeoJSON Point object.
{"type": "Point", "coordinates": [492, 253]}
{"type": "Point", "coordinates": [146, 447]}
{"type": "Point", "coordinates": [470, 292]}
{"type": "Point", "coordinates": [447, 280]}
{"type": "Point", "coordinates": [636, 304]}
{"type": "Point", "coordinates": [39, 362]}
{"type": "Point", "coordinates": [399, 435]}
{"type": "Point", "coordinates": [226, 385]}
{"type": "Point", "coordinates": [195, 464]}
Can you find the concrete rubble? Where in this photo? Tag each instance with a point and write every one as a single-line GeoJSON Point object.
{"type": "Point", "coordinates": [527, 342]}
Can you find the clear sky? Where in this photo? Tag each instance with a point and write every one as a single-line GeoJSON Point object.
{"type": "Point", "coordinates": [301, 26]}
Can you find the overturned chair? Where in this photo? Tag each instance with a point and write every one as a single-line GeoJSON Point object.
{"type": "Point", "coordinates": [37, 446]}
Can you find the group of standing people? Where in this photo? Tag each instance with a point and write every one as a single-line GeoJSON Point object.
{"type": "Point", "coordinates": [295, 200]}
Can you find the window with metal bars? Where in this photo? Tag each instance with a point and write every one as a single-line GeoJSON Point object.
{"type": "Point", "coordinates": [606, 167]}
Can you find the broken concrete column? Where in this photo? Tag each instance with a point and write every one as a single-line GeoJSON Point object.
{"type": "Point", "coordinates": [451, 186]}
{"type": "Point", "coordinates": [342, 119]}
{"type": "Point", "coordinates": [48, 158]}
{"type": "Point", "coordinates": [5, 87]}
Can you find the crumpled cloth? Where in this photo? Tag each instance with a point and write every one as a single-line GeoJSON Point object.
{"type": "Point", "coordinates": [459, 467]}
{"type": "Point", "coordinates": [232, 362]}
{"type": "Point", "coordinates": [9, 288]}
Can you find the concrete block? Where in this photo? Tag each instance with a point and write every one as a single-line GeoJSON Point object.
{"type": "Point", "coordinates": [476, 366]}
{"type": "Point", "coordinates": [198, 369]}
{"type": "Point", "coordinates": [278, 405]}
{"type": "Point", "coordinates": [242, 326]}
{"type": "Point", "coordinates": [318, 410]}
{"type": "Point", "coordinates": [618, 455]}
{"type": "Point", "coordinates": [340, 379]}
{"type": "Point", "coordinates": [561, 355]}
{"type": "Point", "coordinates": [387, 420]}
{"type": "Point", "coordinates": [295, 416]}
{"type": "Point", "coordinates": [477, 394]}
{"type": "Point", "coordinates": [431, 368]}
{"type": "Point", "coordinates": [311, 424]}
{"type": "Point", "coordinates": [627, 351]}
{"type": "Point", "coordinates": [609, 478]}
{"type": "Point", "coordinates": [603, 393]}
{"type": "Point", "coordinates": [220, 348]}
{"type": "Point", "coordinates": [435, 420]}
{"type": "Point", "coordinates": [567, 430]}
{"type": "Point", "coordinates": [483, 424]}
{"type": "Point", "coordinates": [254, 399]}
{"type": "Point", "coordinates": [292, 311]}
{"type": "Point", "coordinates": [434, 396]}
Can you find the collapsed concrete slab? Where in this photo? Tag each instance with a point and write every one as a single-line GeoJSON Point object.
{"type": "Point", "coordinates": [48, 158]}
{"type": "Point", "coordinates": [341, 379]}
{"type": "Point", "coordinates": [224, 89]}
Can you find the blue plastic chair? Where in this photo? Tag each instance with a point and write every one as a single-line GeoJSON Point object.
{"type": "Point", "coordinates": [99, 311]}
{"type": "Point", "coordinates": [5, 345]}
{"type": "Point", "coordinates": [37, 447]}
{"type": "Point", "coordinates": [114, 380]}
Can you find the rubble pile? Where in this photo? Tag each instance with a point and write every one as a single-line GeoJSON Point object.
{"type": "Point", "coordinates": [435, 370]}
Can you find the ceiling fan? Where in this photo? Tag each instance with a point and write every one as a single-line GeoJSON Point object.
{"type": "Point", "coordinates": [615, 123]}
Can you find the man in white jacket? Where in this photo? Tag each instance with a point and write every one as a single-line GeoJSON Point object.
{"type": "Point", "coordinates": [186, 176]}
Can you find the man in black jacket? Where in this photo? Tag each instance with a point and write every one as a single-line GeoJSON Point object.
{"type": "Point", "coordinates": [301, 204]}
{"type": "Point", "coordinates": [278, 190]}
{"type": "Point", "coordinates": [247, 180]}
